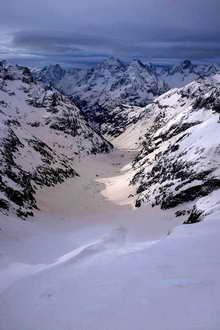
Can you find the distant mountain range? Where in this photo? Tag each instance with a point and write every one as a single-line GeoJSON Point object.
{"type": "Point", "coordinates": [112, 83]}
{"type": "Point", "coordinates": [185, 72]}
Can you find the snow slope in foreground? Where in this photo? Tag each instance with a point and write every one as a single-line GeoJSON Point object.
{"type": "Point", "coordinates": [114, 268]}
{"type": "Point", "coordinates": [111, 283]}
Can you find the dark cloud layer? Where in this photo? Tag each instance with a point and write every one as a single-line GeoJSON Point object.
{"type": "Point", "coordinates": [84, 32]}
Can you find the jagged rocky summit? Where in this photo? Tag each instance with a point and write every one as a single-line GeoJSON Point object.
{"type": "Point", "coordinates": [109, 84]}
{"type": "Point", "coordinates": [112, 83]}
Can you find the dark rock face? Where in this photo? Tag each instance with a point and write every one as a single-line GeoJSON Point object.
{"type": "Point", "coordinates": [115, 122]}
{"type": "Point", "coordinates": [191, 194]}
{"type": "Point", "coordinates": [186, 64]}
{"type": "Point", "coordinates": [195, 216]}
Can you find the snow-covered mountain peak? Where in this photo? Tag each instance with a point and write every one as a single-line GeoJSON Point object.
{"type": "Point", "coordinates": [106, 86]}
{"type": "Point", "coordinates": [186, 64]}
{"type": "Point", "coordinates": [111, 65]}
{"type": "Point", "coordinates": [137, 64]}
{"type": "Point", "coordinates": [53, 72]}
{"type": "Point", "coordinates": [185, 67]}
{"type": "Point", "coordinates": [112, 62]}
{"type": "Point", "coordinates": [186, 72]}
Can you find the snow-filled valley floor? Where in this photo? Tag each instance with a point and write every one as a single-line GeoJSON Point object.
{"type": "Point", "coordinates": [89, 261]}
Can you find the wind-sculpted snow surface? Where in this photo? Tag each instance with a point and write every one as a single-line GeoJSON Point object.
{"type": "Point", "coordinates": [41, 133]}
{"type": "Point", "coordinates": [113, 241]}
{"type": "Point", "coordinates": [180, 158]}
{"type": "Point", "coordinates": [112, 284]}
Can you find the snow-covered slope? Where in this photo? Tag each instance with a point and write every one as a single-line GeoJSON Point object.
{"type": "Point", "coordinates": [110, 282]}
{"type": "Point", "coordinates": [180, 158]}
{"type": "Point", "coordinates": [41, 133]}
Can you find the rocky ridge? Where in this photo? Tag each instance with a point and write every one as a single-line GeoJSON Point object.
{"type": "Point", "coordinates": [107, 85]}
{"type": "Point", "coordinates": [180, 159]}
{"type": "Point", "coordinates": [42, 132]}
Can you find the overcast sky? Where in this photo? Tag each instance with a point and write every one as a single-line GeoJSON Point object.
{"type": "Point", "coordinates": [83, 32]}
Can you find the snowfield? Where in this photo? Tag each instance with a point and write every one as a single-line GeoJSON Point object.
{"type": "Point", "coordinates": [109, 267]}
{"type": "Point", "coordinates": [168, 284]}
{"type": "Point", "coordinates": [87, 258]}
